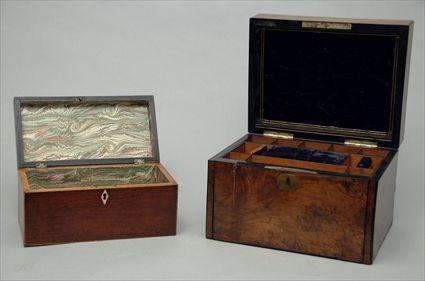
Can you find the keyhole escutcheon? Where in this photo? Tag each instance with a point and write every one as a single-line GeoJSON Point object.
{"type": "Point", "coordinates": [104, 197]}
{"type": "Point", "coordinates": [287, 181]}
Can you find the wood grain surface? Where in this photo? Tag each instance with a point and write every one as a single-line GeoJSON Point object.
{"type": "Point", "coordinates": [71, 215]}
{"type": "Point", "coordinates": [324, 216]}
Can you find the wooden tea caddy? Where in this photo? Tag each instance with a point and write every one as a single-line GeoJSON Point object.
{"type": "Point", "coordinates": [317, 86]}
{"type": "Point", "coordinates": [89, 170]}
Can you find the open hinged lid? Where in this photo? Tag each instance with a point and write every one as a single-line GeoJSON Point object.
{"type": "Point", "coordinates": [61, 131]}
{"type": "Point", "coordinates": [329, 78]}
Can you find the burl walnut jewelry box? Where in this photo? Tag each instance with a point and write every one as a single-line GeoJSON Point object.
{"type": "Point", "coordinates": [316, 173]}
{"type": "Point", "coordinates": [89, 170]}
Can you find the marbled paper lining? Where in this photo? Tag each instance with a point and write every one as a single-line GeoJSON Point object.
{"type": "Point", "coordinates": [92, 177]}
{"type": "Point", "coordinates": [86, 131]}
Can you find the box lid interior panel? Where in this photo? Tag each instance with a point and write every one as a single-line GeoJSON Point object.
{"type": "Point", "coordinates": [328, 80]}
{"type": "Point", "coordinates": [99, 130]}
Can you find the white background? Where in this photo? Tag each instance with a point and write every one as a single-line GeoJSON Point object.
{"type": "Point", "coordinates": [194, 58]}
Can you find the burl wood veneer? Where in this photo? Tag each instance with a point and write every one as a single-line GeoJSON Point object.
{"type": "Point", "coordinates": [331, 212]}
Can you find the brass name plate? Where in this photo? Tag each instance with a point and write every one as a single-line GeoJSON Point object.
{"type": "Point", "coordinates": [326, 25]}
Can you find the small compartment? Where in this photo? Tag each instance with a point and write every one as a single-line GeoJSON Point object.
{"type": "Point", "coordinates": [248, 147]}
{"type": "Point", "coordinates": [358, 171]}
{"type": "Point", "coordinates": [238, 156]}
{"type": "Point", "coordinates": [374, 152]}
{"type": "Point", "coordinates": [345, 149]}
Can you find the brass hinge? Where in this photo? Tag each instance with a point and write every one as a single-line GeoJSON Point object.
{"type": "Point", "coordinates": [40, 165]}
{"type": "Point", "coordinates": [361, 143]}
{"type": "Point", "coordinates": [139, 161]}
{"type": "Point", "coordinates": [278, 135]}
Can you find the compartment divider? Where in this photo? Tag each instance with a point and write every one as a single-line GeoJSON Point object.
{"type": "Point", "coordinates": [298, 164]}
{"type": "Point", "coordinates": [247, 150]}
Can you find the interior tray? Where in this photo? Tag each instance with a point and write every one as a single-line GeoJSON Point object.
{"type": "Point", "coordinates": [311, 155]}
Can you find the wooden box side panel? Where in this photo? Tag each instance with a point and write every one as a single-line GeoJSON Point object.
{"type": "Point", "coordinates": [384, 207]}
{"type": "Point", "coordinates": [21, 207]}
{"type": "Point", "coordinates": [325, 216]}
{"type": "Point", "coordinates": [80, 215]}
{"type": "Point", "coordinates": [219, 174]}
{"type": "Point", "coordinates": [210, 201]}
{"type": "Point", "coordinates": [369, 221]}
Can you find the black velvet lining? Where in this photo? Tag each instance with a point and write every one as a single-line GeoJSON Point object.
{"type": "Point", "coordinates": [365, 162]}
{"type": "Point", "coordinates": [304, 154]}
{"type": "Point", "coordinates": [328, 79]}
